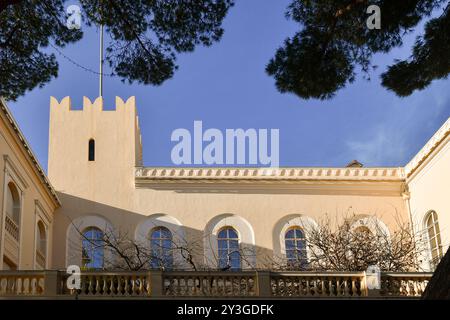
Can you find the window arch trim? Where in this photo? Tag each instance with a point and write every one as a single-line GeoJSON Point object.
{"type": "Point", "coordinates": [434, 258]}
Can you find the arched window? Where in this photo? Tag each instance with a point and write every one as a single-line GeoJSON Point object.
{"type": "Point", "coordinates": [41, 245]}
{"type": "Point", "coordinates": [13, 203]}
{"type": "Point", "coordinates": [295, 247]}
{"type": "Point", "coordinates": [91, 150]}
{"type": "Point", "coordinates": [434, 237]}
{"type": "Point", "coordinates": [92, 249]}
{"type": "Point", "coordinates": [161, 248]}
{"type": "Point", "coordinates": [228, 249]}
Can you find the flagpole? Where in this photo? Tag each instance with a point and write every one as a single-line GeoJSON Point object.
{"type": "Point", "coordinates": [101, 62]}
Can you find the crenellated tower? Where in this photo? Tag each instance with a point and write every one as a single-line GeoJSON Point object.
{"type": "Point", "coordinates": [93, 152]}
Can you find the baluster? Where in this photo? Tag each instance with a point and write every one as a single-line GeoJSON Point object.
{"type": "Point", "coordinates": [346, 288]}
{"type": "Point", "coordinates": [91, 286]}
{"type": "Point", "coordinates": [308, 291]}
{"type": "Point", "coordinates": [415, 287]}
{"type": "Point", "coordinates": [330, 286]}
{"type": "Point", "coordinates": [141, 285]}
{"type": "Point", "coordinates": [126, 285]}
{"type": "Point", "coordinates": [313, 286]}
{"type": "Point", "coordinates": [134, 284]}
{"type": "Point", "coordinates": [97, 285]}
{"type": "Point", "coordinates": [119, 285]}
{"type": "Point", "coordinates": [323, 289]}
{"type": "Point", "coordinates": [34, 285]}
{"type": "Point", "coordinates": [338, 286]}
{"type": "Point", "coordinates": [104, 288]}
{"type": "Point", "coordinates": [354, 291]}
{"type": "Point", "coordinates": [408, 288]}
{"type": "Point", "coordinates": [148, 287]}
{"type": "Point", "coordinates": [224, 286]}
{"type": "Point", "coordinates": [2, 288]}
{"type": "Point", "coordinates": [178, 285]}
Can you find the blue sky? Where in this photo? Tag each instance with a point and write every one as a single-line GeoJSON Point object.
{"type": "Point", "coordinates": [226, 86]}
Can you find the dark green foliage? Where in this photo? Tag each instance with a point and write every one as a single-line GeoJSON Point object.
{"type": "Point", "coordinates": [334, 41]}
{"type": "Point", "coordinates": [430, 60]}
{"type": "Point", "coordinates": [25, 29]}
{"type": "Point", "coordinates": [146, 36]}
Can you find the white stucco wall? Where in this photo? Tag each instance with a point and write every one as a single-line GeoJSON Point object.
{"type": "Point", "coordinates": [429, 188]}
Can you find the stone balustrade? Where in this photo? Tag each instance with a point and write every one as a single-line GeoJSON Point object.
{"type": "Point", "coordinates": [12, 228]}
{"type": "Point", "coordinates": [343, 284]}
{"type": "Point", "coordinates": [404, 284]}
{"type": "Point", "coordinates": [121, 284]}
{"type": "Point", "coordinates": [203, 284]}
{"type": "Point", "coordinates": [22, 283]}
{"type": "Point", "coordinates": [210, 284]}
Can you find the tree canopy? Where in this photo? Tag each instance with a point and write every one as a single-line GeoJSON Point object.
{"type": "Point", "coordinates": [146, 37]}
{"type": "Point", "coordinates": [334, 40]}
{"type": "Point", "coordinates": [332, 45]}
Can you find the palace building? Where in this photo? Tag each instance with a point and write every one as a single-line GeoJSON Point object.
{"type": "Point", "coordinates": [96, 184]}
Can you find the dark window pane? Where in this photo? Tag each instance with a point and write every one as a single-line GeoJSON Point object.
{"type": "Point", "coordinates": [299, 233]}
{"type": "Point", "coordinates": [233, 244]}
{"type": "Point", "coordinates": [232, 233]}
{"type": "Point", "coordinates": [290, 234]}
{"type": "Point", "coordinates": [223, 244]}
{"type": "Point", "coordinates": [290, 244]}
{"type": "Point", "coordinates": [223, 234]}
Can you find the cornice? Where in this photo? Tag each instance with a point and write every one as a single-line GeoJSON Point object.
{"type": "Point", "coordinates": [28, 152]}
{"type": "Point", "coordinates": [428, 149]}
{"type": "Point", "coordinates": [269, 174]}
{"type": "Point", "coordinates": [326, 181]}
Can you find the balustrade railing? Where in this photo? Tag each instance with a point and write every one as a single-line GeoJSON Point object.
{"type": "Point", "coordinates": [21, 283]}
{"type": "Point", "coordinates": [129, 284]}
{"type": "Point", "coordinates": [404, 284]}
{"type": "Point", "coordinates": [305, 284]}
{"type": "Point", "coordinates": [12, 228]}
{"type": "Point", "coordinates": [204, 284]}
{"type": "Point", "coordinates": [114, 284]}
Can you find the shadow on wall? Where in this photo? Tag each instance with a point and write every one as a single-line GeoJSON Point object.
{"type": "Point", "coordinates": [200, 246]}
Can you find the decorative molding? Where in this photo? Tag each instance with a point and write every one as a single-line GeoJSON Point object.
{"type": "Point", "coordinates": [40, 211]}
{"type": "Point", "coordinates": [42, 176]}
{"type": "Point", "coordinates": [269, 174]}
{"type": "Point", "coordinates": [428, 149]}
{"type": "Point", "coordinates": [12, 170]}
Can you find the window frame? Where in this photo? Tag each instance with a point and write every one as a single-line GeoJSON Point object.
{"type": "Point", "coordinates": [229, 249]}
{"type": "Point", "coordinates": [434, 238]}
{"type": "Point", "coordinates": [300, 260]}
{"type": "Point", "coordinates": [160, 257]}
{"type": "Point", "coordinates": [92, 248]}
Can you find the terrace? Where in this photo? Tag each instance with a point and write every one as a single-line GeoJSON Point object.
{"type": "Point", "coordinates": [198, 284]}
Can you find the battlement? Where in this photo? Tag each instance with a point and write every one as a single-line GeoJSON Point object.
{"type": "Point", "coordinates": [66, 104]}
{"type": "Point", "coordinates": [116, 134]}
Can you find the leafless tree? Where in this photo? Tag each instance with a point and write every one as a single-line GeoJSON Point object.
{"type": "Point", "coordinates": [343, 245]}
{"type": "Point", "coordinates": [119, 251]}
{"type": "Point", "coordinates": [337, 244]}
